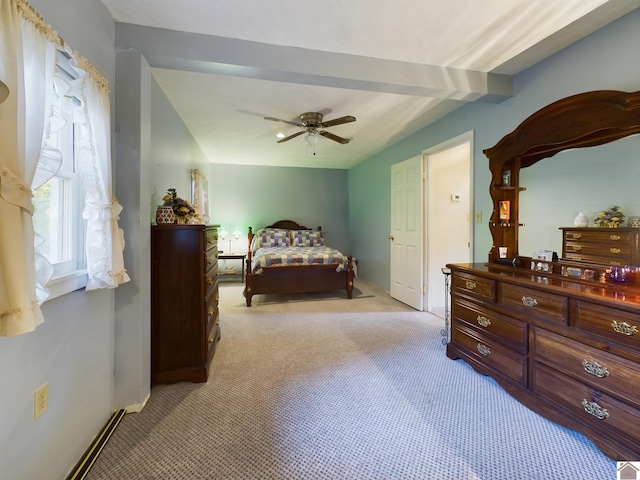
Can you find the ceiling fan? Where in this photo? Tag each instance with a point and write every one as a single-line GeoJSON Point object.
{"type": "Point", "coordinates": [311, 123]}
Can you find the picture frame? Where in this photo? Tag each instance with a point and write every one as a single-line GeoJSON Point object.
{"type": "Point", "coordinates": [505, 210]}
{"type": "Point", "coordinates": [200, 196]}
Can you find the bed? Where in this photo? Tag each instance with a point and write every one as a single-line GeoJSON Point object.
{"type": "Point", "coordinates": [290, 258]}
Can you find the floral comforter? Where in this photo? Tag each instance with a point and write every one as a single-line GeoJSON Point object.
{"type": "Point", "coordinates": [287, 256]}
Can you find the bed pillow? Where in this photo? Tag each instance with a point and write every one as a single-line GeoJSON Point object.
{"type": "Point", "coordinates": [307, 238]}
{"type": "Point", "coordinates": [272, 237]}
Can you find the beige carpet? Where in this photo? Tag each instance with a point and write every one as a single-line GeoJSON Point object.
{"type": "Point", "coordinates": [321, 387]}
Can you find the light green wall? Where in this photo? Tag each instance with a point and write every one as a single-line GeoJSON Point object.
{"type": "Point", "coordinates": [174, 152]}
{"type": "Point", "coordinates": [243, 196]}
{"type": "Point", "coordinates": [607, 59]}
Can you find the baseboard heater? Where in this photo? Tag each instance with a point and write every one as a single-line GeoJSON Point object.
{"type": "Point", "coordinates": [86, 462]}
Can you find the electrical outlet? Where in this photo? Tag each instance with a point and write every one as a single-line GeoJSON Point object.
{"type": "Point", "coordinates": [479, 216]}
{"type": "Point", "coordinates": [40, 400]}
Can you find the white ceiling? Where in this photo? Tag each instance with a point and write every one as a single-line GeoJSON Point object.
{"type": "Point", "coordinates": [394, 65]}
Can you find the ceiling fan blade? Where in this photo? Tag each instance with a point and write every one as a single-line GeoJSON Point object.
{"type": "Point", "coordinates": [338, 121]}
{"type": "Point", "coordinates": [291, 136]}
{"type": "Point", "coordinates": [333, 137]}
{"type": "Point", "coordinates": [283, 121]}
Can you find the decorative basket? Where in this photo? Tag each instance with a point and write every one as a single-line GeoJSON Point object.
{"type": "Point", "coordinates": [165, 215]}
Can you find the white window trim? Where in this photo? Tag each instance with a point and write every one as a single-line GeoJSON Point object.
{"type": "Point", "coordinates": [67, 283]}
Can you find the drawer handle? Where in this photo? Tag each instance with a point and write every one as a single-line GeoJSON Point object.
{"type": "Point", "coordinates": [470, 285]}
{"type": "Point", "coordinates": [210, 338]}
{"type": "Point", "coordinates": [483, 321]}
{"type": "Point", "coordinates": [614, 237]}
{"type": "Point", "coordinates": [624, 328]}
{"type": "Point", "coordinates": [594, 368]}
{"type": "Point", "coordinates": [615, 250]}
{"type": "Point", "coordinates": [210, 260]}
{"type": "Point", "coordinates": [529, 301]}
{"type": "Point", "coordinates": [210, 312]}
{"type": "Point", "coordinates": [592, 408]}
{"type": "Point", "coordinates": [209, 281]}
{"type": "Point", "coordinates": [209, 240]}
{"type": "Point", "coordinates": [576, 248]}
{"type": "Point", "coordinates": [483, 349]}
{"type": "Point", "coordinates": [576, 235]}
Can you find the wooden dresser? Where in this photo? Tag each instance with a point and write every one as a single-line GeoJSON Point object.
{"type": "Point", "coordinates": [567, 348]}
{"type": "Point", "coordinates": [608, 246]}
{"type": "Point", "coordinates": [184, 301]}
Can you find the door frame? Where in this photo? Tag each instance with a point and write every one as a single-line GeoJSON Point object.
{"type": "Point", "coordinates": [434, 270]}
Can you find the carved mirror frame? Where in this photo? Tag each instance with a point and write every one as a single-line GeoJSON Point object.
{"type": "Point", "coordinates": [582, 120]}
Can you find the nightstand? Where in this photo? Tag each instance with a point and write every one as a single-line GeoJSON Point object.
{"type": "Point", "coordinates": [232, 256]}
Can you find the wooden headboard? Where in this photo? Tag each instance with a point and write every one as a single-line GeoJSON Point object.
{"type": "Point", "coordinates": [288, 225]}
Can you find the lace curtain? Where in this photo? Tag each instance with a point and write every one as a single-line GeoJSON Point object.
{"type": "Point", "coordinates": [105, 240]}
{"type": "Point", "coordinates": [27, 116]}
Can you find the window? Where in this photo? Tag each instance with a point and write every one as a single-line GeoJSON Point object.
{"type": "Point", "coordinates": [57, 220]}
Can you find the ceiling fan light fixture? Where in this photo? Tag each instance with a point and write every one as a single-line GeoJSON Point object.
{"type": "Point", "coordinates": [311, 139]}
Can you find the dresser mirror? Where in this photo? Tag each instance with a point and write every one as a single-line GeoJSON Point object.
{"type": "Point", "coordinates": [606, 122]}
{"type": "Point", "coordinates": [586, 180]}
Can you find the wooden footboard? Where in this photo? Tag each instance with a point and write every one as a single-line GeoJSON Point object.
{"type": "Point", "coordinates": [298, 279]}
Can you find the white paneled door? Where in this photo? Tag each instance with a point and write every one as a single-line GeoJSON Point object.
{"type": "Point", "coordinates": [406, 232]}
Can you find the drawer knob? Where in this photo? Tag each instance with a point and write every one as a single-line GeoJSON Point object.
{"type": "Point", "coordinates": [210, 311]}
{"type": "Point", "coordinates": [592, 408]}
{"type": "Point", "coordinates": [614, 237]}
{"type": "Point", "coordinates": [624, 328]}
{"type": "Point", "coordinates": [576, 235]}
{"type": "Point", "coordinates": [210, 260]}
{"type": "Point", "coordinates": [576, 248]}
{"type": "Point", "coordinates": [594, 368]}
{"type": "Point", "coordinates": [483, 349]}
{"type": "Point", "coordinates": [529, 301]}
{"type": "Point", "coordinates": [615, 250]}
{"type": "Point", "coordinates": [483, 321]}
{"type": "Point", "coordinates": [209, 280]}
{"type": "Point", "coordinates": [470, 285]}
{"type": "Point", "coordinates": [210, 338]}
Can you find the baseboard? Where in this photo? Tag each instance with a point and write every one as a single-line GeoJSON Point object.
{"type": "Point", "coordinates": [86, 462]}
{"type": "Point", "coordinates": [137, 407]}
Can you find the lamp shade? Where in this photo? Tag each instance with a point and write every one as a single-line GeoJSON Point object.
{"type": "Point", "coordinates": [223, 234]}
{"type": "Point", "coordinates": [311, 139]}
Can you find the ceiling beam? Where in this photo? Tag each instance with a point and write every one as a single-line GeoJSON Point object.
{"type": "Point", "coordinates": [225, 56]}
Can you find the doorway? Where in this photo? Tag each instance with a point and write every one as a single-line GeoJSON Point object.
{"type": "Point", "coordinates": [448, 211]}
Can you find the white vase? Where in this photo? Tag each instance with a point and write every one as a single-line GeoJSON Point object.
{"type": "Point", "coordinates": [581, 220]}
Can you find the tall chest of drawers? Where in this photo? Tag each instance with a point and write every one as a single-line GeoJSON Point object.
{"type": "Point", "coordinates": [607, 246]}
{"type": "Point", "coordinates": [184, 301]}
{"type": "Point", "coordinates": [569, 350]}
